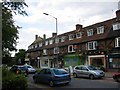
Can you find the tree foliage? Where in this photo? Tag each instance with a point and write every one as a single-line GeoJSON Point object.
{"type": "Point", "coordinates": [9, 29]}
{"type": "Point", "coordinates": [20, 56]}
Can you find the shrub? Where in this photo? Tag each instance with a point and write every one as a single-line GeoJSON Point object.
{"type": "Point", "coordinates": [13, 81]}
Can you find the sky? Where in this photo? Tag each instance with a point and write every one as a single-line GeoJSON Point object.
{"type": "Point", "coordinates": [68, 13]}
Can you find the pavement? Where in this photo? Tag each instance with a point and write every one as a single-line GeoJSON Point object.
{"type": "Point", "coordinates": [109, 74]}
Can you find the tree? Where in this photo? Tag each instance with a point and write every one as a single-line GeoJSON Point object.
{"type": "Point", "coordinates": [9, 29]}
{"type": "Point", "coordinates": [20, 56]}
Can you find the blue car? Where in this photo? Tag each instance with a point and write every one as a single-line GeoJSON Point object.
{"type": "Point", "coordinates": [52, 76]}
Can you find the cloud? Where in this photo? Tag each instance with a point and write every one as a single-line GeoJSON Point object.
{"type": "Point", "coordinates": [68, 12]}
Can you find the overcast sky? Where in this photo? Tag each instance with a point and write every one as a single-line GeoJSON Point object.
{"type": "Point", "coordinates": [68, 12]}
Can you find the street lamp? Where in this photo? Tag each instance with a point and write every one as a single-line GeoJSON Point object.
{"type": "Point", "coordinates": [54, 18]}
{"type": "Point", "coordinates": [56, 30]}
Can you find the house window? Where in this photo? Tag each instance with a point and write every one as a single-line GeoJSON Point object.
{"type": "Point", "coordinates": [100, 30]}
{"type": "Point", "coordinates": [71, 48]}
{"type": "Point", "coordinates": [44, 52]}
{"type": "Point", "coordinates": [40, 44]}
{"type": "Point", "coordinates": [51, 41]}
{"type": "Point", "coordinates": [116, 26]}
{"type": "Point", "coordinates": [90, 32]}
{"type": "Point", "coordinates": [79, 35]}
{"type": "Point", "coordinates": [63, 39]}
{"type": "Point", "coordinates": [56, 50]}
{"type": "Point", "coordinates": [117, 42]}
{"type": "Point", "coordinates": [56, 40]}
{"type": "Point", "coordinates": [71, 37]}
{"type": "Point", "coordinates": [46, 42]}
{"type": "Point", "coordinates": [35, 45]}
{"type": "Point", "coordinates": [92, 45]}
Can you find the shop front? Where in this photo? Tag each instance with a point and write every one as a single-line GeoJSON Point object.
{"type": "Point", "coordinates": [73, 60]}
{"type": "Point", "coordinates": [114, 62]}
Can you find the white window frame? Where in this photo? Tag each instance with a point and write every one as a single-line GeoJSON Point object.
{"type": "Point", "coordinates": [51, 41]}
{"type": "Point", "coordinates": [93, 43]}
{"type": "Point", "coordinates": [57, 40]}
{"type": "Point", "coordinates": [46, 42]}
{"type": "Point", "coordinates": [71, 37]}
{"type": "Point", "coordinates": [100, 30]}
{"type": "Point", "coordinates": [62, 38]}
{"type": "Point", "coordinates": [35, 45]}
{"type": "Point", "coordinates": [44, 52]}
{"type": "Point", "coordinates": [40, 44]}
{"type": "Point", "coordinates": [116, 26]}
{"type": "Point", "coordinates": [90, 32]}
{"type": "Point", "coordinates": [117, 40]}
{"type": "Point", "coordinates": [56, 50]}
{"type": "Point", "coordinates": [72, 48]}
{"type": "Point", "coordinates": [79, 35]}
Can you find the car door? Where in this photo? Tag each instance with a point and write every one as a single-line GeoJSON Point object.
{"type": "Point", "coordinates": [78, 71]}
{"type": "Point", "coordinates": [47, 75]}
{"type": "Point", "coordinates": [84, 71]}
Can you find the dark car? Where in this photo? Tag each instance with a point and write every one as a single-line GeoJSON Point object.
{"type": "Point", "coordinates": [19, 70]}
{"type": "Point", "coordinates": [52, 76]}
{"type": "Point", "coordinates": [116, 77]}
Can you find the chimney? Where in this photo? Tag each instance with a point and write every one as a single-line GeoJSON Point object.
{"type": "Point", "coordinates": [36, 36]}
{"type": "Point", "coordinates": [78, 26]}
{"type": "Point", "coordinates": [54, 34]}
{"type": "Point", "coordinates": [118, 14]}
{"type": "Point", "coordinates": [44, 36]}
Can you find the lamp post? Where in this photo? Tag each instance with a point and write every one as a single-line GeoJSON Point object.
{"type": "Point", "coordinates": [56, 31]}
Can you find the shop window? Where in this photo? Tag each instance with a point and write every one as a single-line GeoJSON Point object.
{"type": "Point", "coordinates": [97, 62]}
{"type": "Point", "coordinates": [114, 63]}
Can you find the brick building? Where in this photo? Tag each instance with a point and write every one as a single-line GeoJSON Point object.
{"type": "Point", "coordinates": [97, 45]}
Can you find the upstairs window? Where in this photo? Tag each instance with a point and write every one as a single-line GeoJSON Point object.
{"type": "Point", "coordinates": [71, 37]}
{"type": "Point", "coordinates": [79, 35]}
{"type": "Point", "coordinates": [92, 45]}
{"type": "Point", "coordinates": [44, 52]}
{"type": "Point", "coordinates": [100, 30]}
{"type": "Point", "coordinates": [90, 32]}
{"type": "Point", "coordinates": [40, 44]}
{"type": "Point", "coordinates": [35, 45]}
{"type": "Point", "coordinates": [62, 38]}
{"type": "Point", "coordinates": [71, 48]}
{"type": "Point", "coordinates": [56, 50]}
{"type": "Point", "coordinates": [116, 26]}
{"type": "Point", "coordinates": [117, 42]}
{"type": "Point", "coordinates": [46, 42]}
{"type": "Point", "coordinates": [56, 40]}
{"type": "Point", "coordinates": [51, 41]}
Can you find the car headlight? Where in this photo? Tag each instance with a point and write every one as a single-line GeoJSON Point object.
{"type": "Point", "coordinates": [97, 73]}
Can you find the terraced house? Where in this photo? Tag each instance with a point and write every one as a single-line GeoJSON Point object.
{"type": "Point", "coordinates": [97, 45]}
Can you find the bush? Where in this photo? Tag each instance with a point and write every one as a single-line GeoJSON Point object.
{"type": "Point", "coordinates": [13, 81]}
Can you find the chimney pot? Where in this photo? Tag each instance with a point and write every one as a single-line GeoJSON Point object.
{"type": "Point", "coordinates": [36, 36]}
{"type": "Point", "coordinates": [54, 34]}
{"type": "Point", "coordinates": [78, 26]}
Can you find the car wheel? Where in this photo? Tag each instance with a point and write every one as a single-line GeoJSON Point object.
{"type": "Point", "coordinates": [75, 75]}
{"type": "Point", "coordinates": [91, 77]}
{"type": "Point", "coordinates": [51, 83]}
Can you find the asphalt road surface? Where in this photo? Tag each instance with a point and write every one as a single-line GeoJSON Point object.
{"type": "Point", "coordinates": [79, 83]}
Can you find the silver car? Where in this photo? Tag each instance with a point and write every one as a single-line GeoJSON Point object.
{"type": "Point", "coordinates": [87, 71]}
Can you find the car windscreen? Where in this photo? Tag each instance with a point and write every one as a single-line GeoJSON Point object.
{"type": "Point", "coordinates": [22, 68]}
{"type": "Point", "coordinates": [91, 68]}
{"type": "Point", "coordinates": [59, 71]}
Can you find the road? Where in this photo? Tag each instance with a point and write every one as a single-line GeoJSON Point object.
{"type": "Point", "coordinates": [79, 83]}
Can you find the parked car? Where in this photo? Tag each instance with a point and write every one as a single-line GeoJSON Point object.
{"type": "Point", "coordinates": [30, 69]}
{"type": "Point", "coordinates": [52, 76]}
{"type": "Point", "coordinates": [19, 70]}
{"type": "Point", "coordinates": [87, 71]}
{"type": "Point", "coordinates": [116, 77]}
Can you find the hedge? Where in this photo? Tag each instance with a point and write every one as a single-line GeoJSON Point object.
{"type": "Point", "coordinates": [13, 81]}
